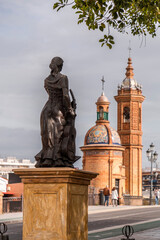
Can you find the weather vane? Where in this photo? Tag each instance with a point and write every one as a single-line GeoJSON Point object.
{"type": "Point", "coordinates": [103, 81]}
{"type": "Point", "coordinates": [129, 48]}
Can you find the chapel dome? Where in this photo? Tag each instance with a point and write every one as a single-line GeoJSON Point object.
{"type": "Point", "coordinates": [102, 99]}
{"type": "Point", "coordinates": [102, 134]}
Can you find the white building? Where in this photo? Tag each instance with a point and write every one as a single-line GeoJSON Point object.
{"type": "Point", "coordinates": [10, 163]}
{"type": "Point", "coordinates": [3, 184]}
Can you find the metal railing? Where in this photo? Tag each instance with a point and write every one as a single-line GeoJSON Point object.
{"type": "Point", "coordinates": [12, 204]}
{"type": "Point", "coordinates": [3, 230]}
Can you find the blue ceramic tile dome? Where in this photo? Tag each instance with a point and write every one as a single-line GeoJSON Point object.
{"type": "Point", "coordinates": [97, 135]}
{"type": "Point", "coordinates": [102, 134]}
{"type": "Point", "coordinates": [115, 137]}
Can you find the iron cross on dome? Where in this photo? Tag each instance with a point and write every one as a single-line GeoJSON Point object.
{"type": "Point", "coordinates": [103, 81]}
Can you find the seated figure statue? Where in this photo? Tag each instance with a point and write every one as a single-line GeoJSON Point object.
{"type": "Point", "coordinates": [57, 121]}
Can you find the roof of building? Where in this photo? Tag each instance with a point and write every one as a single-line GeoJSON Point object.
{"type": "Point", "coordinates": [102, 98]}
{"type": "Point", "coordinates": [8, 193]}
{"type": "Point", "coordinates": [129, 82]}
{"type": "Point", "coordinates": [102, 134]}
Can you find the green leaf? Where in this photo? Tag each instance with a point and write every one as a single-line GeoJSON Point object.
{"type": "Point", "coordinates": [109, 45]}
{"type": "Point", "coordinates": [101, 28]}
{"type": "Point", "coordinates": [110, 37]}
{"type": "Point", "coordinates": [55, 5]}
{"type": "Point", "coordinates": [80, 21]}
{"type": "Point", "coordinates": [103, 25]}
{"type": "Point", "coordinates": [112, 42]}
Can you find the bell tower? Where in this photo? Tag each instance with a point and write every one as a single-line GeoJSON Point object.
{"type": "Point", "coordinates": [129, 125]}
{"type": "Point", "coordinates": [102, 106]}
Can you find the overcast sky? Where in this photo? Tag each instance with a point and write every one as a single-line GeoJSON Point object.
{"type": "Point", "coordinates": [31, 34]}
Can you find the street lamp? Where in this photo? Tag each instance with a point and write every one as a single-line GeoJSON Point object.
{"type": "Point", "coordinates": [152, 157]}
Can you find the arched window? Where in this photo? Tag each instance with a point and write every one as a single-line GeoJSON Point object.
{"type": "Point", "coordinates": [101, 113]}
{"type": "Point", "coordinates": [126, 114]}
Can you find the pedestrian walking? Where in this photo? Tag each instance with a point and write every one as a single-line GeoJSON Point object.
{"type": "Point", "coordinates": [114, 196]}
{"type": "Point", "coordinates": [156, 193]}
{"type": "Point", "coordinates": [106, 193]}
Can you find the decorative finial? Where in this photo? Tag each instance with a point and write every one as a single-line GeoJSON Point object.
{"type": "Point", "coordinates": [129, 72]}
{"type": "Point", "coordinates": [129, 48]}
{"type": "Point", "coordinates": [103, 81]}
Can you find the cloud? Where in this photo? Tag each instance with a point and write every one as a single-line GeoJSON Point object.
{"type": "Point", "coordinates": [19, 142]}
{"type": "Point", "coordinates": [31, 33]}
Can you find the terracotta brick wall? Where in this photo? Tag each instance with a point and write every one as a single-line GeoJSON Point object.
{"type": "Point", "coordinates": [17, 188]}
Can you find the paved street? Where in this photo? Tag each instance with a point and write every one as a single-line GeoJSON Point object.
{"type": "Point", "coordinates": [106, 223]}
{"type": "Point", "coordinates": [122, 217]}
{"type": "Point", "coordinates": [14, 231]}
{"type": "Point", "coordinates": [153, 234]}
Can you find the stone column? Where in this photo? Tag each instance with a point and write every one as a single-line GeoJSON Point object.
{"type": "Point", "coordinates": [55, 203]}
{"type": "Point", "coordinates": [1, 202]}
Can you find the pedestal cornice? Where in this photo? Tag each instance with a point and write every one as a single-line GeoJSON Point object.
{"type": "Point", "coordinates": [55, 175]}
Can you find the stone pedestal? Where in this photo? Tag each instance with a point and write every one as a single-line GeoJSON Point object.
{"type": "Point", "coordinates": [55, 203]}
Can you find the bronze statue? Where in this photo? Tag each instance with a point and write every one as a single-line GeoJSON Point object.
{"type": "Point", "coordinates": [57, 121]}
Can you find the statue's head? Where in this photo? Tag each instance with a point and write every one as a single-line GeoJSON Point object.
{"type": "Point", "coordinates": [56, 64]}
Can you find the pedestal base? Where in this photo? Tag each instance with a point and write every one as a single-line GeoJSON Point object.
{"type": "Point", "coordinates": [133, 200]}
{"type": "Point", "coordinates": [55, 203]}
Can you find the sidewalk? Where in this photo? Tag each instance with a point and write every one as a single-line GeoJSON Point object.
{"type": "Point", "coordinates": [14, 217]}
{"type": "Point", "coordinates": [11, 217]}
{"type": "Point", "coordinates": [101, 208]}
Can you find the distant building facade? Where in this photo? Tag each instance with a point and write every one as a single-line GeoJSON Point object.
{"type": "Point", "coordinates": [3, 184]}
{"type": "Point", "coordinates": [11, 187]}
{"type": "Point", "coordinates": [8, 164]}
{"type": "Point", "coordinates": [146, 179]}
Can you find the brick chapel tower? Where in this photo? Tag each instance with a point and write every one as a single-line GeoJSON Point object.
{"type": "Point", "coordinates": [129, 121]}
{"type": "Point", "coordinates": [103, 152]}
